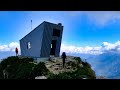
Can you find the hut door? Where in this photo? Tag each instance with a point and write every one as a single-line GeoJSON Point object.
{"type": "Point", "coordinates": [53, 47]}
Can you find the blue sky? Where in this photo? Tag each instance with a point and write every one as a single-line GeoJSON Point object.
{"type": "Point", "coordinates": [84, 31]}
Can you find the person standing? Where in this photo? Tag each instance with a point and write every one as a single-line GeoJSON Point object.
{"type": "Point", "coordinates": [63, 57]}
{"type": "Point", "coordinates": [16, 51]}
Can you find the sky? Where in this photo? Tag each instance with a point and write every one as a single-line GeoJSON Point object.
{"type": "Point", "coordinates": [85, 32]}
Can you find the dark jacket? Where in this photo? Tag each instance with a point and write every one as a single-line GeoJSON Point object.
{"type": "Point", "coordinates": [63, 55]}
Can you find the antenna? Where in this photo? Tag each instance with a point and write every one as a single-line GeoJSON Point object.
{"type": "Point", "coordinates": [31, 25]}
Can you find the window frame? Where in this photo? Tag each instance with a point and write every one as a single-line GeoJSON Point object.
{"type": "Point", "coordinates": [28, 45]}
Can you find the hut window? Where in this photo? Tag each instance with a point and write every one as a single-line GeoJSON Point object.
{"type": "Point", "coordinates": [28, 45]}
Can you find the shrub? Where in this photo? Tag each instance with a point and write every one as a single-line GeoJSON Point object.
{"type": "Point", "coordinates": [1, 72]}
{"type": "Point", "coordinates": [18, 68]}
{"type": "Point", "coordinates": [71, 63]}
{"type": "Point", "coordinates": [24, 71]}
{"type": "Point", "coordinates": [14, 60]}
{"type": "Point", "coordinates": [39, 70]}
{"type": "Point", "coordinates": [78, 59]}
{"type": "Point", "coordinates": [86, 64]}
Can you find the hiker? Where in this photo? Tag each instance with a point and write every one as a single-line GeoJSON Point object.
{"type": "Point", "coordinates": [16, 51]}
{"type": "Point", "coordinates": [63, 57]}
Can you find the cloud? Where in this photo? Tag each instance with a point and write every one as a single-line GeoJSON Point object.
{"type": "Point", "coordinates": [100, 18]}
{"type": "Point", "coordinates": [108, 47]}
{"type": "Point", "coordinates": [105, 47]}
{"type": "Point", "coordinates": [103, 17]}
{"type": "Point", "coordinates": [80, 50]}
{"type": "Point", "coordinates": [8, 50]}
{"type": "Point", "coordinates": [10, 47]}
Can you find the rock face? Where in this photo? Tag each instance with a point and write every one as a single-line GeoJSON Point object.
{"type": "Point", "coordinates": [55, 65]}
{"type": "Point", "coordinates": [74, 68]}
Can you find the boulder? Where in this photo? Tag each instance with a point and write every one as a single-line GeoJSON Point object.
{"type": "Point", "coordinates": [40, 77]}
{"type": "Point", "coordinates": [81, 65]}
{"type": "Point", "coordinates": [84, 78]}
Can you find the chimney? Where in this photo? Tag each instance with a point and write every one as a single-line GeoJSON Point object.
{"type": "Point", "coordinates": [60, 24]}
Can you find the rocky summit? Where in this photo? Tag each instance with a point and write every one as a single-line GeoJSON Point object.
{"type": "Point", "coordinates": [25, 68]}
{"type": "Point", "coordinates": [55, 65]}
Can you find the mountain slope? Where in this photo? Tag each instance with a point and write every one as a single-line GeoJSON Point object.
{"type": "Point", "coordinates": [25, 68]}
{"type": "Point", "coordinates": [107, 64]}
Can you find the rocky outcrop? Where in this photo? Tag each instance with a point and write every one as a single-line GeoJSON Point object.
{"type": "Point", "coordinates": [55, 65]}
{"type": "Point", "coordinates": [40, 77]}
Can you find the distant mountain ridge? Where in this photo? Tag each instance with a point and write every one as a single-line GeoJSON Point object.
{"type": "Point", "coordinates": [5, 54]}
{"type": "Point", "coordinates": [106, 64]}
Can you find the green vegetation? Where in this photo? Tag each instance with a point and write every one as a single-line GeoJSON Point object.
{"type": "Point", "coordinates": [78, 59]}
{"type": "Point", "coordinates": [21, 68]}
{"type": "Point", "coordinates": [39, 70]}
{"type": "Point", "coordinates": [24, 68]}
{"type": "Point", "coordinates": [78, 74]}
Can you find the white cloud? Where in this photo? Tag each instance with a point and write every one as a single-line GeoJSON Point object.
{"type": "Point", "coordinates": [103, 17]}
{"type": "Point", "coordinates": [105, 47]}
{"type": "Point", "coordinates": [4, 48]}
{"type": "Point", "coordinates": [111, 47]}
{"type": "Point", "coordinates": [10, 47]}
{"type": "Point", "coordinates": [100, 18]}
{"type": "Point", "coordinates": [81, 50]}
